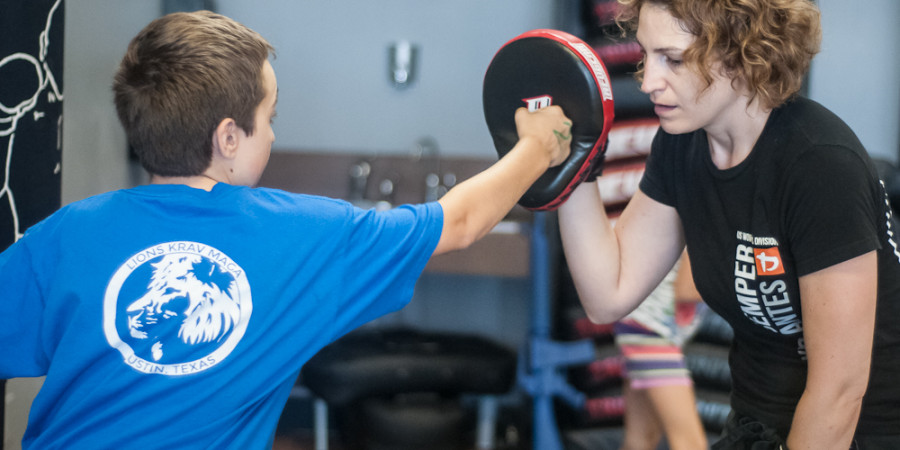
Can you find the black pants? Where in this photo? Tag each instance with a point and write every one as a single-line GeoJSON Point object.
{"type": "Point", "coordinates": [746, 433]}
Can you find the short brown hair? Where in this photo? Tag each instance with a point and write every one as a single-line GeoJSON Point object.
{"type": "Point", "coordinates": [767, 44]}
{"type": "Point", "coordinates": [180, 77]}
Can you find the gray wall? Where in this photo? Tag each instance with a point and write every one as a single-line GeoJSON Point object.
{"type": "Point", "coordinates": [97, 33]}
{"type": "Point", "coordinates": [857, 74]}
{"type": "Point", "coordinates": [332, 68]}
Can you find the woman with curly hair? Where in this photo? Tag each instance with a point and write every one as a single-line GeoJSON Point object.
{"type": "Point", "coordinates": [782, 213]}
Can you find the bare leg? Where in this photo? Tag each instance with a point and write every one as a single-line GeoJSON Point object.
{"type": "Point", "coordinates": [676, 410]}
{"type": "Point", "coordinates": [643, 430]}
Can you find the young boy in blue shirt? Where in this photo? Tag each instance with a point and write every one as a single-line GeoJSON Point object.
{"type": "Point", "coordinates": [178, 314]}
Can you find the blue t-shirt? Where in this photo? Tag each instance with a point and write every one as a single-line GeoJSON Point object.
{"type": "Point", "coordinates": [167, 316]}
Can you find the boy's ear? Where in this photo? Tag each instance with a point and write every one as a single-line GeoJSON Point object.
{"type": "Point", "coordinates": [225, 138]}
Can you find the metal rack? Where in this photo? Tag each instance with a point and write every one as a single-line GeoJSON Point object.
{"type": "Point", "coordinates": [542, 360]}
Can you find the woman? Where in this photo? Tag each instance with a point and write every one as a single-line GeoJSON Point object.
{"type": "Point", "coordinates": [783, 216]}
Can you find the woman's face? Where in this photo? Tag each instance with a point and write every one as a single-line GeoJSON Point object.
{"type": "Point", "coordinates": [678, 92]}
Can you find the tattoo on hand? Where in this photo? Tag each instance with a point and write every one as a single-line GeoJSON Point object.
{"type": "Point", "coordinates": [562, 137]}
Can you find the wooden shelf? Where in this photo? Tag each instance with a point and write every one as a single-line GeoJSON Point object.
{"type": "Point", "coordinates": [505, 252]}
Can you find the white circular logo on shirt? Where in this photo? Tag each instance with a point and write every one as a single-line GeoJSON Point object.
{"type": "Point", "coordinates": [176, 308]}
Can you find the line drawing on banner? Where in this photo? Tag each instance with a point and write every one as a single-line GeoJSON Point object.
{"type": "Point", "coordinates": [12, 114]}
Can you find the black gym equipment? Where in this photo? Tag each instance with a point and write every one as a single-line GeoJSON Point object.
{"type": "Point", "coordinates": [543, 67]}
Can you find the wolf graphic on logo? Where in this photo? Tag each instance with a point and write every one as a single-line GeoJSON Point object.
{"type": "Point", "coordinates": [190, 290]}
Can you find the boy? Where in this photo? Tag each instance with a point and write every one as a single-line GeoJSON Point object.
{"type": "Point", "coordinates": [178, 314]}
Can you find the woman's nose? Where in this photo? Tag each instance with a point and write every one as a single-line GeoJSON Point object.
{"type": "Point", "coordinates": [652, 80]}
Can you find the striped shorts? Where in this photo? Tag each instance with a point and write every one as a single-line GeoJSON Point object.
{"type": "Point", "coordinates": [650, 359]}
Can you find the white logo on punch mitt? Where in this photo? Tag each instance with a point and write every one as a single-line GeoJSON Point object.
{"type": "Point", "coordinates": [536, 103]}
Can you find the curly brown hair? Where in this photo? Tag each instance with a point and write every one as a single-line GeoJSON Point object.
{"type": "Point", "coordinates": [766, 44]}
{"type": "Point", "coordinates": [180, 77]}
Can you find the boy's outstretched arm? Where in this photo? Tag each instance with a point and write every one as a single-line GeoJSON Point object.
{"type": "Point", "coordinates": [473, 207]}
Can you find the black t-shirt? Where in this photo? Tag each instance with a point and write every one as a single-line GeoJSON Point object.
{"type": "Point", "coordinates": [807, 197]}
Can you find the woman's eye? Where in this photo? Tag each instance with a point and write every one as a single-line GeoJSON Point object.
{"type": "Point", "coordinates": [674, 62]}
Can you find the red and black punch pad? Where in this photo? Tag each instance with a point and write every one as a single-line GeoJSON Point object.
{"type": "Point", "coordinates": [539, 68]}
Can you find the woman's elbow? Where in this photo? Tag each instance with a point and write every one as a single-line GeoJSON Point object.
{"type": "Point", "coordinates": [601, 312]}
{"type": "Point", "coordinates": [853, 392]}
{"type": "Point", "coordinates": [844, 392]}
{"type": "Point", "coordinates": [599, 318]}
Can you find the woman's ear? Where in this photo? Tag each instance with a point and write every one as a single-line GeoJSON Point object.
{"type": "Point", "coordinates": [225, 138]}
